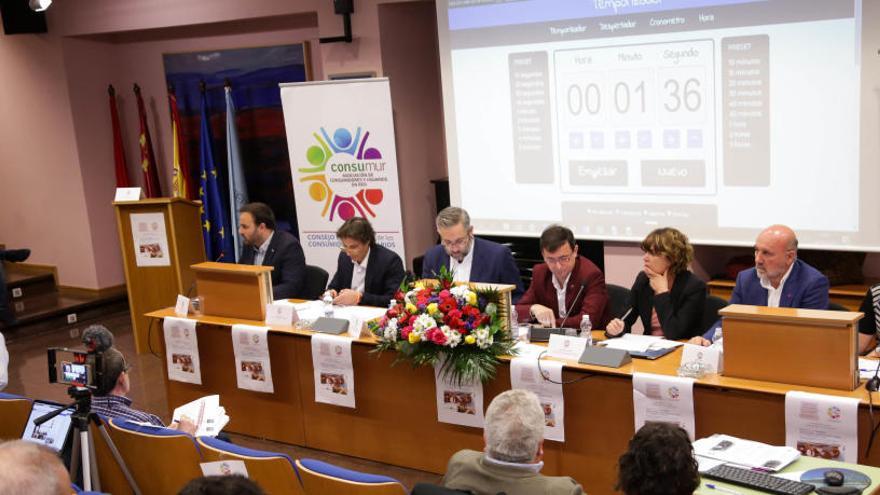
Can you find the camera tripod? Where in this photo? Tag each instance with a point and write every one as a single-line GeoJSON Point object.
{"type": "Point", "coordinates": [83, 445]}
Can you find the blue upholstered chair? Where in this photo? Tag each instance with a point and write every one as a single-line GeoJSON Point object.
{"type": "Point", "coordinates": [320, 477]}
{"type": "Point", "coordinates": [273, 471]}
{"type": "Point", "coordinates": [14, 412]}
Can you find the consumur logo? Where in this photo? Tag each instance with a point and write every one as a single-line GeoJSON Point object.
{"type": "Point", "coordinates": [343, 173]}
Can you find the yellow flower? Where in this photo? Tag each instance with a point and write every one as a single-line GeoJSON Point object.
{"type": "Point", "coordinates": [410, 307]}
{"type": "Point", "coordinates": [432, 308]}
{"type": "Point", "coordinates": [470, 339]}
{"type": "Point", "coordinates": [414, 338]}
{"type": "Point", "coordinates": [472, 299]}
{"type": "Point", "coordinates": [419, 285]}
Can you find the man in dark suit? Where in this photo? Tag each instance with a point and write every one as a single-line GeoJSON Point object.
{"type": "Point", "coordinates": [778, 280]}
{"type": "Point", "coordinates": [265, 246]}
{"type": "Point", "coordinates": [366, 273]}
{"type": "Point", "coordinates": [556, 288]}
{"type": "Point", "coordinates": [471, 259]}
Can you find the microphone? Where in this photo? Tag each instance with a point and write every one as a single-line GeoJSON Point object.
{"type": "Point", "coordinates": [568, 312]}
{"type": "Point", "coordinates": [873, 384]}
{"type": "Point", "coordinates": [97, 338]}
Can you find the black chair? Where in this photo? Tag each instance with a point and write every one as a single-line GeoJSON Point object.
{"type": "Point", "coordinates": [431, 489]}
{"type": "Point", "coordinates": [418, 262]}
{"type": "Point", "coordinates": [316, 282]}
{"type": "Point", "coordinates": [618, 300]}
{"type": "Point", "coordinates": [710, 312]}
{"type": "Point", "coordinates": [833, 306]}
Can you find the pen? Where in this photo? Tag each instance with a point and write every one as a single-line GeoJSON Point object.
{"type": "Point", "coordinates": [722, 489]}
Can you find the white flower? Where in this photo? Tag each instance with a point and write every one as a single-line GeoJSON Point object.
{"type": "Point", "coordinates": [484, 339]}
{"type": "Point", "coordinates": [453, 338]}
{"type": "Point", "coordinates": [424, 322]}
{"type": "Point", "coordinates": [390, 332]}
{"type": "Point", "coordinates": [461, 293]}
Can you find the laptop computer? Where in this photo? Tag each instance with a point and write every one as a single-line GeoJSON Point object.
{"type": "Point", "coordinates": [54, 433]}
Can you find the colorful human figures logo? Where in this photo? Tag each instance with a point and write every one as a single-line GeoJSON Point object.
{"type": "Point", "coordinates": [339, 172]}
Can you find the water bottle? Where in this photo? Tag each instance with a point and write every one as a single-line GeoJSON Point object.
{"type": "Point", "coordinates": [587, 329]}
{"type": "Point", "coordinates": [328, 305]}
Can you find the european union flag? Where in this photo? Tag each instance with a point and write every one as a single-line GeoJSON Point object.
{"type": "Point", "coordinates": [215, 224]}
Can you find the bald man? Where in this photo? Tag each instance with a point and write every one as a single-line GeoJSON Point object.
{"type": "Point", "coordinates": [32, 469]}
{"type": "Point", "coordinates": [778, 280]}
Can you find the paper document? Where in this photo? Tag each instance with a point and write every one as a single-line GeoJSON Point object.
{"type": "Point", "coordinates": [357, 316]}
{"type": "Point", "coordinates": [745, 453]}
{"type": "Point", "coordinates": [524, 373]}
{"type": "Point", "coordinates": [207, 414]}
{"type": "Point", "coordinates": [666, 399]}
{"type": "Point", "coordinates": [822, 426]}
{"type": "Point", "coordinates": [334, 374]}
{"type": "Point", "coordinates": [252, 367]}
{"type": "Point", "coordinates": [182, 350]}
{"type": "Point", "coordinates": [459, 404]}
{"type": "Point", "coordinates": [867, 368]}
{"type": "Point", "coordinates": [224, 468]}
{"type": "Point", "coordinates": [150, 239]}
{"type": "Point", "coordinates": [528, 350]}
{"type": "Point", "coordinates": [640, 343]}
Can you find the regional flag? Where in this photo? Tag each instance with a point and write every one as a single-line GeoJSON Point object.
{"type": "Point", "coordinates": [148, 159]}
{"type": "Point", "coordinates": [238, 195]}
{"type": "Point", "coordinates": [118, 148]}
{"type": "Point", "coordinates": [215, 224]}
{"type": "Point", "coordinates": [180, 178]}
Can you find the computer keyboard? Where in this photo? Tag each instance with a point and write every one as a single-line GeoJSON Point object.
{"type": "Point", "coordinates": [756, 480]}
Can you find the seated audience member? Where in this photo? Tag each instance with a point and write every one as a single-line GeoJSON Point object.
{"type": "Point", "coordinates": [235, 484]}
{"type": "Point", "coordinates": [366, 272]}
{"type": "Point", "coordinates": [558, 281]}
{"type": "Point", "coordinates": [4, 363]}
{"type": "Point", "coordinates": [869, 326]}
{"type": "Point", "coordinates": [7, 317]}
{"type": "Point", "coordinates": [512, 459]}
{"type": "Point", "coordinates": [778, 280]}
{"type": "Point", "coordinates": [470, 258]}
{"type": "Point", "coordinates": [666, 295]}
{"type": "Point", "coordinates": [110, 401]}
{"type": "Point", "coordinates": [265, 246]}
{"type": "Point", "coordinates": [33, 469]}
{"type": "Point", "coordinates": [659, 461]}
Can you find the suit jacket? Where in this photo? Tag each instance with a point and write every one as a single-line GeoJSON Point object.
{"type": "Point", "coordinates": [805, 287]}
{"type": "Point", "coordinates": [384, 274]}
{"type": "Point", "coordinates": [285, 256]}
{"type": "Point", "coordinates": [468, 470]}
{"type": "Point", "coordinates": [492, 263]}
{"type": "Point", "coordinates": [680, 309]}
{"type": "Point", "coordinates": [593, 299]}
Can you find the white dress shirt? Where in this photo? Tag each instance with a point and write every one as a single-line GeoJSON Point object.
{"type": "Point", "coordinates": [560, 293]}
{"type": "Point", "coordinates": [774, 295]}
{"type": "Point", "coordinates": [462, 271]}
{"type": "Point", "coordinates": [261, 251]}
{"type": "Point", "coordinates": [4, 363]}
{"type": "Point", "coordinates": [359, 274]}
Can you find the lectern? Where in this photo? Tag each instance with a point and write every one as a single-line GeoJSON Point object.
{"type": "Point", "coordinates": [234, 291]}
{"type": "Point", "coordinates": [160, 238]}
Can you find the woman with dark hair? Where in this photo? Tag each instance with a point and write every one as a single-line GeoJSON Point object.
{"type": "Point", "coordinates": [666, 295]}
{"type": "Point", "coordinates": [659, 461]}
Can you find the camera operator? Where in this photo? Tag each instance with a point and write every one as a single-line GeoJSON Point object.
{"type": "Point", "coordinates": [110, 399]}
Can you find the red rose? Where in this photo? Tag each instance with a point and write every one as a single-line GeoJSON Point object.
{"type": "Point", "coordinates": [436, 336]}
{"type": "Point", "coordinates": [404, 334]}
{"type": "Point", "coordinates": [445, 294]}
{"type": "Point", "coordinates": [399, 295]}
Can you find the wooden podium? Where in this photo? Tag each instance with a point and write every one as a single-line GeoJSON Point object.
{"type": "Point", "coordinates": [157, 269]}
{"type": "Point", "coordinates": [234, 291]}
{"type": "Point", "coordinates": [787, 345]}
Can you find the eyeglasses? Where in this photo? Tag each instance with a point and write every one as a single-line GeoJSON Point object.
{"type": "Point", "coordinates": [456, 243]}
{"type": "Point", "coordinates": [559, 260]}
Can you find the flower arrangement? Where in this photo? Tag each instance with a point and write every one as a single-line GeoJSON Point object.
{"type": "Point", "coordinates": [460, 327]}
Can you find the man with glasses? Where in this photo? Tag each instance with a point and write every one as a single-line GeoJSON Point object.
{"type": "Point", "coordinates": [779, 278]}
{"type": "Point", "coordinates": [470, 258]}
{"type": "Point", "coordinates": [366, 273]}
{"type": "Point", "coordinates": [265, 246]}
{"type": "Point", "coordinates": [565, 284]}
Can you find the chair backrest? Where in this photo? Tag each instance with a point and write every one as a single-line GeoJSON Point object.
{"type": "Point", "coordinates": [320, 477]}
{"type": "Point", "coordinates": [14, 412]}
{"type": "Point", "coordinates": [431, 489]}
{"type": "Point", "coordinates": [161, 460]}
{"type": "Point", "coordinates": [274, 472]}
{"type": "Point", "coordinates": [618, 300]}
{"type": "Point", "coordinates": [710, 312]}
{"type": "Point", "coordinates": [833, 306]}
{"type": "Point", "coordinates": [316, 282]}
{"type": "Point", "coordinates": [111, 476]}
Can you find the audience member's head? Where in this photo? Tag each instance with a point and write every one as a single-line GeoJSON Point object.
{"type": "Point", "coordinates": [514, 430]}
{"type": "Point", "coordinates": [221, 485]}
{"type": "Point", "coordinates": [31, 468]}
{"type": "Point", "coordinates": [775, 252]}
{"type": "Point", "coordinates": [115, 380]}
{"type": "Point", "coordinates": [356, 236]}
{"type": "Point", "coordinates": [659, 461]}
{"type": "Point", "coordinates": [667, 249]}
{"type": "Point", "coordinates": [455, 231]}
{"type": "Point", "coordinates": [256, 222]}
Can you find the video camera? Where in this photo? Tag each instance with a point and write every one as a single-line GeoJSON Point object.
{"type": "Point", "coordinates": [78, 368]}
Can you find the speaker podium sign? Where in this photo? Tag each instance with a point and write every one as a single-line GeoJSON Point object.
{"type": "Point", "coordinates": [340, 135]}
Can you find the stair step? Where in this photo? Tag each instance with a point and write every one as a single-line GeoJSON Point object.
{"type": "Point", "coordinates": [27, 282]}
{"type": "Point", "coordinates": [51, 310]}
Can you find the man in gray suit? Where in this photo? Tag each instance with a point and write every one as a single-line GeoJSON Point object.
{"type": "Point", "coordinates": [512, 459]}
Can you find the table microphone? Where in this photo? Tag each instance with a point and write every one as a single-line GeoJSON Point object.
{"type": "Point", "coordinates": [562, 324]}
{"type": "Point", "coordinates": [873, 384]}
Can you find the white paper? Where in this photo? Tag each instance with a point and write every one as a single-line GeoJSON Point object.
{"type": "Point", "coordinates": [745, 453]}
{"type": "Point", "coordinates": [709, 357]}
{"type": "Point", "coordinates": [150, 239]}
{"type": "Point", "coordinates": [281, 314]}
{"type": "Point", "coordinates": [525, 350]}
{"type": "Point", "coordinates": [182, 350]}
{"type": "Point", "coordinates": [224, 468]}
{"type": "Point", "coordinates": [568, 348]}
{"type": "Point", "coordinates": [867, 368]}
{"type": "Point", "coordinates": [357, 316]}
{"type": "Point", "coordinates": [822, 426]}
{"type": "Point", "coordinates": [640, 343]}
{"type": "Point", "coordinates": [665, 399]}
{"type": "Point", "coordinates": [459, 404]}
{"type": "Point", "coordinates": [207, 414]}
{"type": "Point", "coordinates": [128, 194]}
{"type": "Point", "coordinates": [524, 373]}
{"type": "Point", "coordinates": [334, 374]}
{"type": "Point", "coordinates": [181, 308]}
{"type": "Point", "coordinates": [252, 368]}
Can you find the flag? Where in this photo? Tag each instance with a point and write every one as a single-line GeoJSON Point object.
{"type": "Point", "coordinates": [180, 178]}
{"type": "Point", "coordinates": [238, 195]}
{"type": "Point", "coordinates": [118, 149]}
{"type": "Point", "coordinates": [148, 160]}
{"type": "Point", "coordinates": [215, 225]}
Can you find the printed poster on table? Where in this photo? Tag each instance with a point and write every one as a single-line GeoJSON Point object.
{"type": "Point", "coordinates": [524, 373]}
{"type": "Point", "coordinates": [150, 239]}
{"type": "Point", "coordinates": [664, 399]}
{"type": "Point", "coordinates": [459, 404]}
{"type": "Point", "coordinates": [334, 374]}
{"type": "Point", "coordinates": [252, 368]}
{"type": "Point", "coordinates": [340, 136]}
{"type": "Point", "coordinates": [182, 350]}
{"type": "Point", "coordinates": [822, 426]}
